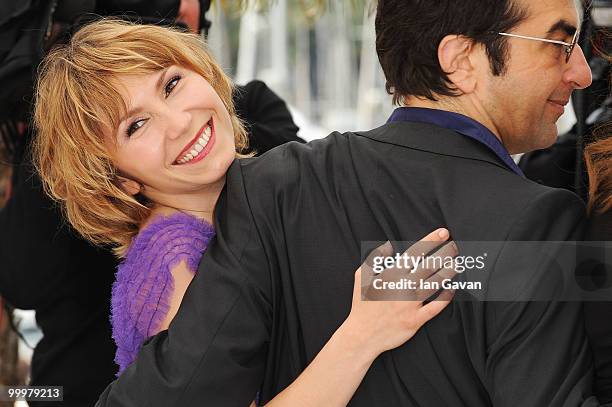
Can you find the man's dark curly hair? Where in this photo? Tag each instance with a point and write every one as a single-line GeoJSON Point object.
{"type": "Point", "coordinates": [408, 33]}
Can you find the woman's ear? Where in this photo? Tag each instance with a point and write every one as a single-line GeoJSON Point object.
{"type": "Point", "coordinates": [454, 56]}
{"type": "Point", "coordinates": [130, 186]}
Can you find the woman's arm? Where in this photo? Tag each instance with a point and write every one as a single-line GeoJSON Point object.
{"type": "Point", "coordinates": [371, 328]}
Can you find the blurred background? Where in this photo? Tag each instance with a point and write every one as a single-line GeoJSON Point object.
{"type": "Point", "coordinates": [320, 58]}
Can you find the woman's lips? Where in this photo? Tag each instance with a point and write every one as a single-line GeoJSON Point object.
{"type": "Point", "coordinates": [207, 148]}
{"type": "Point", "coordinates": [199, 147]}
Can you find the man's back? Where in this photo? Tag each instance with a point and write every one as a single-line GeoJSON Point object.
{"type": "Point", "coordinates": [278, 280]}
{"type": "Point", "coordinates": [397, 183]}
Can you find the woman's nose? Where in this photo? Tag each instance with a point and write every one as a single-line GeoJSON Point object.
{"type": "Point", "coordinates": [177, 123]}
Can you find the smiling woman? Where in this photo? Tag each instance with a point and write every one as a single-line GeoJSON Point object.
{"type": "Point", "coordinates": [91, 77]}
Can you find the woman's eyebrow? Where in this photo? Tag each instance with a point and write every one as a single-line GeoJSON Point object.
{"type": "Point", "coordinates": [158, 85]}
{"type": "Point", "coordinates": [160, 80]}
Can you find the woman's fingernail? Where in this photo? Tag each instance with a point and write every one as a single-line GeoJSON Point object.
{"type": "Point", "coordinates": [443, 233]}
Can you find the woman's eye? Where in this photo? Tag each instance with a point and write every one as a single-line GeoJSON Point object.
{"type": "Point", "coordinates": [171, 84]}
{"type": "Point", "coordinates": [135, 126]}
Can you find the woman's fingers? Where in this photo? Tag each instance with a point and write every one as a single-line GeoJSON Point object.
{"type": "Point", "coordinates": [428, 243]}
{"type": "Point", "coordinates": [436, 261]}
{"type": "Point", "coordinates": [382, 251]}
{"type": "Point", "coordinates": [430, 310]}
{"type": "Point", "coordinates": [366, 271]}
{"type": "Point", "coordinates": [446, 273]}
{"type": "Point", "coordinates": [420, 248]}
{"type": "Point", "coordinates": [438, 267]}
{"type": "Point", "coordinates": [420, 270]}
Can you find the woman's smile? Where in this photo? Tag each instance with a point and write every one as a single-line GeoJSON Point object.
{"type": "Point", "coordinates": [199, 147]}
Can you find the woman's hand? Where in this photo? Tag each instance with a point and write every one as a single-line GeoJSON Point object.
{"type": "Point", "coordinates": [371, 328]}
{"type": "Point", "coordinates": [380, 325]}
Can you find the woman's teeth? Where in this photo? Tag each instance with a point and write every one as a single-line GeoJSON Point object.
{"type": "Point", "coordinates": [197, 148]}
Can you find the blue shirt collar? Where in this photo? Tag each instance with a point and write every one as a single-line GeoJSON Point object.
{"type": "Point", "coordinates": [459, 123]}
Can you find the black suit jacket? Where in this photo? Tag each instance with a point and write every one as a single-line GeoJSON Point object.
{"type": "Point", "coordinates": [277, 281]}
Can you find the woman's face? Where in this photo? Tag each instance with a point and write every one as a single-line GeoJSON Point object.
{"type": "Point", "coordinates": [177, 139]}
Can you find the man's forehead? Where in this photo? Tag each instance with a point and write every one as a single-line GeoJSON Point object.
{"type": "Point", "coordinates": [548, 14]}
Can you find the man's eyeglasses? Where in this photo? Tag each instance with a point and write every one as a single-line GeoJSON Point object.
{"type": "Point", "coordinates": [568, 46]}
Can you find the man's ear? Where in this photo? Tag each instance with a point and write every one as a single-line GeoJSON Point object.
{"type": "Point", "coordinates": [454, 54]}
{"type": "Point", "coordinates": [130, 186]}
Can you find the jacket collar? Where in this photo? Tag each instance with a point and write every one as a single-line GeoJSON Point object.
{"type": "Point", "coordinates": [462, 124]}
{"type": "Point", "coordinates": [435, 139]}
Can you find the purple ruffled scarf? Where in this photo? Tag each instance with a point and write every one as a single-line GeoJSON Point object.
{"type": "Point", "coordinates": [144, 282]}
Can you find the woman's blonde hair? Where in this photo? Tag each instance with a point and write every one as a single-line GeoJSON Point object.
{"type": "Point", "coordinates": [78, 99]}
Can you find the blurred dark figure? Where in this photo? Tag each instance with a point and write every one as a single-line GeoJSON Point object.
{"type": "Point", "coordinates": [44, 265]}
{"type": "Point", "coordinates": [562, 165]}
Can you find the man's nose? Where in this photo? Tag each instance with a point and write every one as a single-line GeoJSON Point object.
{"type": "Point", "coordinates": [578, 72]}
